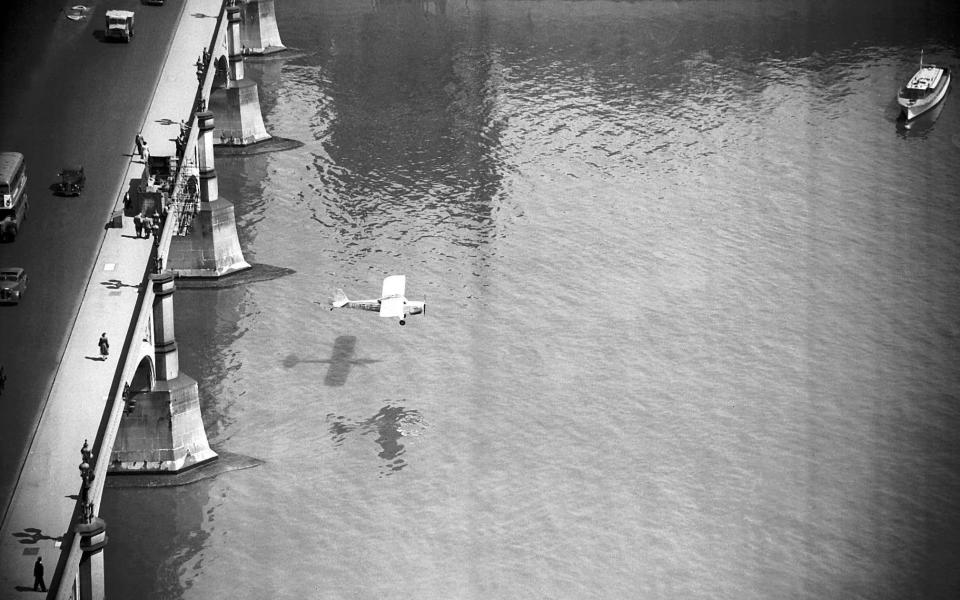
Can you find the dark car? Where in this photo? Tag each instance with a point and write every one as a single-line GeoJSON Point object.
{"type": "Point", "coordinates": [13, 283]}
{"type": "Point", "coordinates": [72, 181]}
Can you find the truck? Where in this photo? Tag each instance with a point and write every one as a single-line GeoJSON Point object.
{"type": "Point", "coordinates": [119, 25]}
{"type": "Point", "coordinates": [13, 194]}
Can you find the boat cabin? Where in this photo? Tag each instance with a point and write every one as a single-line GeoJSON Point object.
{"type": "Point", "coordinates": [922, 83]}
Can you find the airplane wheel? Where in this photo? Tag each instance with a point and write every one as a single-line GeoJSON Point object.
{"type": "Point", "coordinates": [402, 322]}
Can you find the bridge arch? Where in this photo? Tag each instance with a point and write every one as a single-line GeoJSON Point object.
{"type": "Point", "coordinates": [144, 376]}
{"type": "Point", "coordinates": [220, 71]}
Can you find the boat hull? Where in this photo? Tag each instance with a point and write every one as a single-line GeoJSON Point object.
{"type": "Point", "coordinates": [914, 108]}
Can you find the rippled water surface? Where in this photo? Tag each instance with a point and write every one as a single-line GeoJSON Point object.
{"type": "Point", "coordinates": [693, 317]}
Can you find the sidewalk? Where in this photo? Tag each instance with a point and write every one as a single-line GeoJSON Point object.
{"type": "Point", "coordinates": [41, 512]}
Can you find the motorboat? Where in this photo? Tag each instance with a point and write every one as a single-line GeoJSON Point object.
{"type": "Point", "coordinates": [926, 89]}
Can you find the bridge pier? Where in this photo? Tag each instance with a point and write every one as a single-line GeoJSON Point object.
{"type": "Point", "coordinates": [212, 248]}
{"type": "Point", "coordinates": [92, 531]}
{"type": "Point", "coordinates": [259, 34]}
{"type": "Point", "coordinates": [240, 121]}
{"type": "Point", "coordinates": [164, 432]}
{"type": "Point", "coordinates": [90, 579]}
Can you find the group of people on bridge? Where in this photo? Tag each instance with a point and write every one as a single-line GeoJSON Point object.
{"type": "Point", "coordinates": [147, 225]}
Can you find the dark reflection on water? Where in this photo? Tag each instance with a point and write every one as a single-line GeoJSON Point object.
{"type": "Point", "coordinates": [417, 133]}
{"type": "Point", "coordinates": [207, 324]}
{"type": "Point", "coordinates": [390, 424]}
{"type": "Point", "coordinates": [427, 8]}
{"type": "Point", "coordinates": [154, 534]}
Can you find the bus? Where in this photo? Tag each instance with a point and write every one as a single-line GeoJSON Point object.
{"type": "Point", "coordinates": [13, 194]}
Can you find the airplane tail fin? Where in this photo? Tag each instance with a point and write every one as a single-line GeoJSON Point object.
{"type": "Point", "coordinates": [339, 299]}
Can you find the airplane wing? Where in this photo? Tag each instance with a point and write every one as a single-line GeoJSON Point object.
{"type": "Point", "coordinates": [394, 285]}
{"type": "Point", "coordinates": [392, 300]}
{"type": "Point", "coordinates": [392, 307]}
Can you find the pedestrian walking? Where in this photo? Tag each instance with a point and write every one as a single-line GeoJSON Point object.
{"type": "Point", "coordinates": [104, 346]}
{"type": "Point", "coordinates": [138, 224]}
{"type": "Point", "coordinates": [147, 226]}
{"type": "Point", "coordinates": [155, 228]}
{"type": "Point", "coordinates": [38, 585]}
{"type": "Point", "coordinates": [139, 142]}
{"type": "Point", "coordinates": [145, 150]}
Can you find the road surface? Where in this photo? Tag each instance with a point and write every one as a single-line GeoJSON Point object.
{"type": "Point", "coordinates": [66, 96]}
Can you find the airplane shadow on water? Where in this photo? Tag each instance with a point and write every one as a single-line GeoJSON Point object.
{"type": "Point", "coordinates": [390, 424]}
{"type": "Point", "coordinates": [341, 361]}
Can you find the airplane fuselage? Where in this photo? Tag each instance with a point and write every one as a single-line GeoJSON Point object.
{"type": "Point", "coordinates": [391, 304]}
{"type": "Point", "coordinates": [373, 305]}
{"type": "Point", "coordinates": [413, 307]}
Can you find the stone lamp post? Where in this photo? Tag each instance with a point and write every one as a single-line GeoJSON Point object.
{"type": "Point", "coordinates": [92, 531]}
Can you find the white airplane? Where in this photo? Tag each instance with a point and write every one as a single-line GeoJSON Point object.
{"type": "Point", "coordinates": [391, 302]}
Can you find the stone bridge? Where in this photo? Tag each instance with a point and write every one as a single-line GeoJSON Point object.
{"type": "Point", "coordinates": [144, 416]}
{"type": "Point", "coordinates": [162, 430]}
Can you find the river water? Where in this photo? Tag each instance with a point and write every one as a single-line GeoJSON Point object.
{"type": "Point", "coordinates": [693, 318]}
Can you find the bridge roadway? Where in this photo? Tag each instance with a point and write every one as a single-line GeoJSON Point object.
{"type": "Point", "coordinates": [67, 95]}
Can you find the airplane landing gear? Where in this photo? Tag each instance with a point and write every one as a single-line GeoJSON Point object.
{"type": "Point", "coordinates": [402, 322]}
